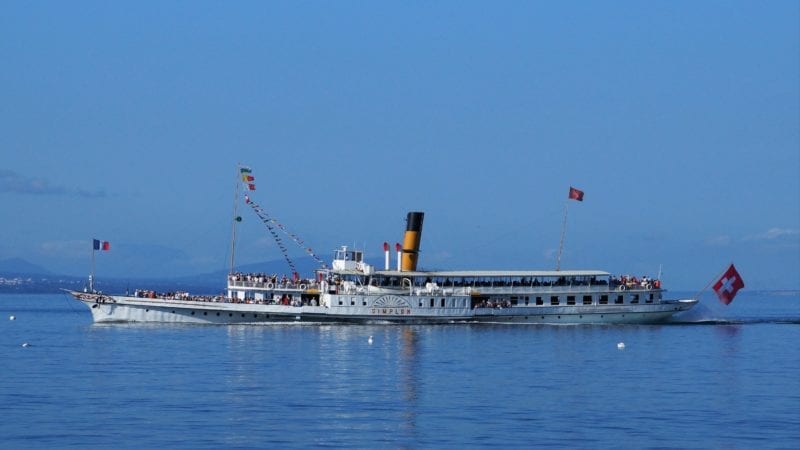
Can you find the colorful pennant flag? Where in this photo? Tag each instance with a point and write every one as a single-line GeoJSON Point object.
{"type": "Point", "coordinates": [271, 224]}
{"type": "Point", "coordinates": [248, 178]}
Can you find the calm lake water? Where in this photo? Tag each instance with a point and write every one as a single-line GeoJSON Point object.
{"type": "Point", "coordinates": [723, 377]}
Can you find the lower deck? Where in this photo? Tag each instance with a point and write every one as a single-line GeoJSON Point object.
{"type": "Point", "coordinates": [383, 309]}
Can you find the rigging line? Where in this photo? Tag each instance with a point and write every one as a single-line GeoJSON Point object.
{"type": "Point", "coordinates": [264, 216]}
{"type": "Point", "coordinates": [271, 229]}
{"type": "Point", "coordinates": [282, 247]}
{"type": "Point", "coordinates": [68, 298]}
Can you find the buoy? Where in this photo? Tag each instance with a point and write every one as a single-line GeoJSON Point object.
{"type": "Point", "coordinates": [370, 340]}
{"type": "Point", "coordinates": [12, 318]}
{"type": "Point", "coordinates": [621, 345]}
{"type": "Point", "coordinates": [25, 344]}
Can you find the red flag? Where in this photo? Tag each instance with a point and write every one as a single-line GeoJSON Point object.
{"type": "Point", "coordinates": [106, 245]}
{"type": "Point", "coordinates": [251, 186]}
{"type": "Point", "coordinates": [575, 194]}
{"type": "Point", "coordinates": [727, 286]}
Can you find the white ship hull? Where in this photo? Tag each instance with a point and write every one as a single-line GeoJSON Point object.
{"type": "Point", "coordinates": [106, 308]}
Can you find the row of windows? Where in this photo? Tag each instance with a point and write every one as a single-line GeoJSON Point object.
{"type": "Point", "coordinates": [554, 300]}
{"type": "Point", "coordinates": [587, 299]}
{"type": "Point", "coordinates": [454, 303]}
{"type": "Point", "coordinates": [205, 313]}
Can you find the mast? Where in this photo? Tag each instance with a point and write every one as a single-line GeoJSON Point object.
{"type": "Point", "coordinates": [574, 194]}
{"type": "Point", "coordinates": [563, 231]}
{"type": "Point", "coordinates": [233, 221]}
{"type": "Point", "coordinates": [91, 274]}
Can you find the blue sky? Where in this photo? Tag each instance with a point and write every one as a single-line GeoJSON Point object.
{"type": "Point", "coordinates": [679, 120]}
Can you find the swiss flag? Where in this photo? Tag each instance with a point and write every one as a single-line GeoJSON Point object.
{"type": "Point", "coordinates": [575, 194]}
{"type": "Point", "coordinates": [728, 285]}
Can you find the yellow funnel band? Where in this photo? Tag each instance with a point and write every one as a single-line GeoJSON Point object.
{"type": "Point", "coordinates": [411, 241]}
{"type": "Point", "coordinates": [410, 250]}
{"type": "Point", "coordinates": [409, 263]}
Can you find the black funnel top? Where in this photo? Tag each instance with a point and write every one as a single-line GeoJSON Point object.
{"type": "Point", "coordinates": [414, 221]}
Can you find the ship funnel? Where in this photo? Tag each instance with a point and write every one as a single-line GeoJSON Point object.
{"type": "Point", "coordinates": [411, 241]}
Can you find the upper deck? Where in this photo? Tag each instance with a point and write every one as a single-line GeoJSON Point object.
{"type": "Point", "coordinates": [494, 273]}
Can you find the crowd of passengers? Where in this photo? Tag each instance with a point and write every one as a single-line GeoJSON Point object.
{"type": "Point", "coordinates": [282, 281]}
{"type": "Point", "coordinates": [625, 280]}
{"type": "Point", "coordinates": [178, 295]}
{"type": "Point", "coordinates": [632, 282]}
{"type": "Point", "coordinates": [285, 299]}
{"type": "Point", "coordinates": [494, 304]}
{"type": "Point", "coordinates": [295, 282]}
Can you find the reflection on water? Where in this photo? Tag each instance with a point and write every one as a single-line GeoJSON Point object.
{"type": "Point", "coordinates": [409, 377]}
{"type": "Point", "coordinates": [329, 375]}
{"type": "Point", "coordinates": [720, 384]}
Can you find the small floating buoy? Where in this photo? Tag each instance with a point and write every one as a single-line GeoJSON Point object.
{"type": "Point", "coordinates": [621, 345]}
{"type": "Point", "coordinates": [370, 340]}
{"type": "Point", "coordinates": [25, 344]}
{"type": "Point", "coordinates": [12, 318]}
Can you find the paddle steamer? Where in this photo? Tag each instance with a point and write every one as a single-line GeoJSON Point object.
{"type": "Point", "coordinates": [352, 291]}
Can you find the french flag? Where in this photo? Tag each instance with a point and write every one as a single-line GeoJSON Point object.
{"type": "Point", "coordinates": [101, 245]}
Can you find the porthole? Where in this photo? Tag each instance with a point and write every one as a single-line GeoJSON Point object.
{"type": "Point", "coordinates": [242, 315]}
{"type": "Point", "coordinates": [205, 313]}
{"type": "Point", "coordinates": [230, 314]}
{"type": "Point", "coordinates": [146, 310]}
{"type": "Point", "coordinates": [217, 313]}
{"type": "Point", "coordinates": [192, 312]}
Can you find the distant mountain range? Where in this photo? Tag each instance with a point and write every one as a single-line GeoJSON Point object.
{"type": "Point", "coordinates": [21, 267]}
{"type": "Point", "coordinates": [20, 276]}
